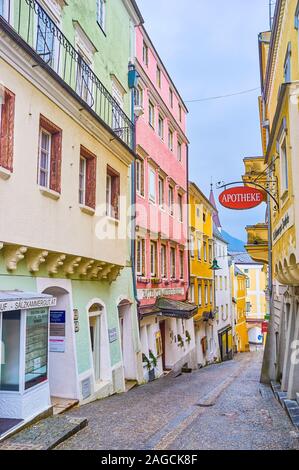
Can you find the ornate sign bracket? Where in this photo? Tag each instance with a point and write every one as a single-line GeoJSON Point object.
{"type": "Point", "coordinates": [270, 188]}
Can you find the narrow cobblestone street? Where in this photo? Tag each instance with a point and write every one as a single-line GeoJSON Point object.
{"type": "Point", "coordinates": [236, 413]}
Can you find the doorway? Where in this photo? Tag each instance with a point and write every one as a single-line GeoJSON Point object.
{"type": "Point", "coordinates": [162, 326]}
{"type": "Point", "coordinates": [94, 314]}
{"type": "Point", "coordinates": [126, 340]}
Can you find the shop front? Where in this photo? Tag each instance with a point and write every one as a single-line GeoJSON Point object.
{"type": "Point", "coordinates": [24, 384]}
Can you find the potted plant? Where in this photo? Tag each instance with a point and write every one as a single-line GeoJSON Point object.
{"type": "Point", "coordinates": [180, 341]}
{"type": "Point", "coordinates": [155, 280]}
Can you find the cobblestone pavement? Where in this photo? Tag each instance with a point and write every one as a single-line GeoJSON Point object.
{"type": "Point", "coordinates": [222, 406]}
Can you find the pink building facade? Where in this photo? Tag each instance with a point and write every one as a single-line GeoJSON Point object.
{"type": "Point", "coordinates": [162, 215]}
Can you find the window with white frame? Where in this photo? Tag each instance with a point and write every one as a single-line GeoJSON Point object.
{"type": "Point", "coordinates": [191, 242]}
{"type": "Point", "coordinates": [180, 113]}
{"type": "Point", "coordinates": [206, 294]}
{"type": "Point", "coordinates": [170, 140]}
{"type": "Point", "coordinates": [210, 252]}
{"type": "Point", "coordinates": [145, 53]}
{"type": "Point", "coordinates": [46, 40]}
{"type": "Point", "coordinates": [163, 261]}
{"type": "Point", "coordinates": [171, 200]}
{"type": "Point", "coordinates": [198, 249]}
{"type": "Point", "coordinates": [4, 9]}
{"type": "Point", "coordinates": [138, 96]}
{"type": "Point", "coordinates": [101, 14]}
{"type": "Point", "coordinates": [181, 264]}
{"type": "Point", "coordinates": [153, 259]}
{"type": "Point", "coordinates": [152, 185]}
{"type": "Point", "coordinates": [161, 127]}
{"type": "Point", "coordinates": [248, 307]}
{"type": "Point", "coordinates": [84, 85]}
{"type": "Point", "coordinates": [192, 293]}
{"type": "Point", "coordinates": [140, 256]}
{"type": "Point", "coordinates": [180, 204]}
{"type": "Point", "coordinates": [287, 65]}
{"type": "Point", "coordinates": [199, 293]}
{"type": "Point", "coordinates": [205, 251]}
{"type": "Point", "coordinates": [82, 180]}
{"type": "Point", "coordinates": [172, 263]}
{"type": "Point", "coordinates": [140, 176]}
{"type": "Point", "coordinates": [44, 158]}
{"type": "Point", "coordinates": [283, 155]}
{"type": "Point", "coordinates": [161, 191]}
{"type": "Point", "coordinates": [151, 114]}
{"type": "Point", "coordinates": [171, 97]}
{"type": "Point", "coordinates": [179, 151]}
{"type": "Point", "coordinates": [158, 76]}
{"type": "Point", "coordinates": [211, 292]}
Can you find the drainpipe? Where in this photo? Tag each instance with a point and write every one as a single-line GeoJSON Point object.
{"type": "Point", "coordinates": [188, 217]}
{"type": "Point", "coordinates": [268, 367]}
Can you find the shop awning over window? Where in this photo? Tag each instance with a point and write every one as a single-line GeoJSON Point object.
{"type": "Point", "coordinates": [170, 308]}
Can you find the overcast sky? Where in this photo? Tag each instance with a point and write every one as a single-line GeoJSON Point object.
{"type": "Point", "coordinates": [210, 48]}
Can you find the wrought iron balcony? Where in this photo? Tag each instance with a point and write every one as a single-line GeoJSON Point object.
{"type": "Point", "coordinates": [54, 52]}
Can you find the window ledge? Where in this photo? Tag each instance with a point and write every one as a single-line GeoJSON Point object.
{"type": "Point", "coordinates": [87, 210]}
{"type": "Point", "coordinates": [113, 220]}
{"type": "Point", "coordinates": [4, 173]}
{"type": "Point", "coordinates": [49, 193]}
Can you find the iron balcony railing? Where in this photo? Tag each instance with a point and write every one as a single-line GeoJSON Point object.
{"type": "Point", "coordinates": [39, 31]}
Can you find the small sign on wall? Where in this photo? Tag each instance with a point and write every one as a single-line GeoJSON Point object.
{"type": "Point", "coordinates": [57, 331]}
{"type": "Point", "coordinates": [112, 335]}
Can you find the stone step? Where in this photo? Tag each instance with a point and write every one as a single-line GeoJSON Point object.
{"type": "Point", "coordinates": [292, 408]}
{"type": "Point", "coordinates": [46, 434]}
{"type": "Point", "coordinates": [60, 405]}
{"type": "Point", "coordinates": [130, 384]}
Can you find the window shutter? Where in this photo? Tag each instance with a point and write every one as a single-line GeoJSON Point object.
{"type": "Point", "coordinates": [91, 182]}
{"type": "Point", "coordinates": [7, 130]}
{"type": "Point", "coordinates": [55, 163]}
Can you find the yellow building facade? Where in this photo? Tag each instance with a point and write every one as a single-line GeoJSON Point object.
{"type": "Point", "coordinates": [201, 274]}
{"type": "Point", "coordinates": [279, 169]}
{"type": "Point", "coordinates": [239, 294]}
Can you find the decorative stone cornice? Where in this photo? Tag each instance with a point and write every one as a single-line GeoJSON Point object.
{"type": "Point", "coordinates": [71, 265]}
{"type": "Point", "coordinates": [54, 262]}
{"type": "Point", "coordinates": [35, 258]}
{"type": "Point", "coordinates": [85, 266]}
{"type": "Point", "coordinates": [13, 254]}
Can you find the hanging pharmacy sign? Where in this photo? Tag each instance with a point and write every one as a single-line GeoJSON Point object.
{"type": "Point", "coordinates": [241, 198]}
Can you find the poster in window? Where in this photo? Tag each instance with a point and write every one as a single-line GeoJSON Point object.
{"type": "Point", "coordinates": [57, 331]}
{"type": "Point", "coordinates": [36, 356]}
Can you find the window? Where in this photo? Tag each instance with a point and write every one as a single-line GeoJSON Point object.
{"type": "Point", "coordinates": [180, 113]}
{"type": "Point", "coordinates": [101, 13]}
{"type": "Point", "coordinates": [210, 252]}
{"type": "Point", "coordinates": [221, 282]}
{"type": "Point", "coordinates": [84, 85]}
{"type": "Point", "coordinates": [191, 245]}
{"type": "Point", "coordinates": [50, 143]}
{"type": "Point", "coordinates": [287, 65]}
{"type": "Point", "coordinates": [211, 292]}
{"type": "Point", "coordinates": [226, 313]}
{"type": "Point", "coordinates": [198, 249]}
{"type": "Point", "coordinates": [117, 107]}
{"type": "Point", "coordinates": [170, 140]}
{"type": "Point", "coordinates": [248, 283]}
{"type": "Point", "coordinates": [198, 211]}
{"type": "Point", "coordinates": [179, 151]}
{"type": "Point", "coordinates": [284, 165]}
{"type": "Point", "coordinates": [158, 76]}
{"type": "Point", "coordinates": [248, 307]}
{"type": "Point", "coordinates": [171, 200]}
{"type": "Point", "coordinates": [145, 53]}
{"type": "Point", "coordinates": [87, 178]}
{"type": "Point", "coordinates": [161, 192]}
{"type": "Point", "coordinates": [138, 96]}
{"type": "Point", "coordinates": [4, 7]}
{"type": "Point", "coordinates": [205, 251]}
{"type": "Point", "coordinates": [172, 263]}
{"type": "Point", "coordinates": [180, 204]}
{"type": "Point", "coordinates": [10, 338]}
{"type": "Point", "coordinates": [153, 259]}
{"type": "Point", "coordinates": [204, 217]}
{"type": "Point", "coordinates": [140, 176]}
{"type": "Point", "coordinates": [199, 293]}
{"type": "Point", "coordinates": [225, 281]}
{"type": "Point", "coordinates": [151, 114]}
{"type": "Point", "coordinates": [163, 262]}
{"type": "Point", "coordinates": [206, 294]}
{"type": "Point", "coordinates": [36, 353]}
{"type": "Point", "coordinates": [46, 41]}
{"type": "Point", "coordinates": [192, 293]}
{"type": "Point", "coordinates": [216, 282]}
{"type": "Point", "coordinates": [7, 113]}
{"type": "Point", "coordinates": [161, 127]}
{"type": "Point", "coordinates": [181, 264]}
{"type": "Point", "coordinates": [171, 97]}
{"type": "Point", "coordinates": [140, 257]}
{"type": "Point", "coordinates": [152, 185]}
{"type": "Point", "coordinates": [112, 193]}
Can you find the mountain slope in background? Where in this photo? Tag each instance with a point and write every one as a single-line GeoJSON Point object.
{"type": "Point", "coordinates": [234, 243]}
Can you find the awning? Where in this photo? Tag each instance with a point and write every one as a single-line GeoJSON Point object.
{"type": "Point", "coordinates": [18, 300]}
{"type": "Point", "coordinates": [170, 308]}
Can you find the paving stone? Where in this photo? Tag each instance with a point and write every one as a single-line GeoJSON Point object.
{"type": "Point", "coordinates": [46, 434]}
{"type": "Point", "coordinates": [164, 415]}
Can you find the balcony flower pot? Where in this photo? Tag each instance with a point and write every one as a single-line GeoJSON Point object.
{"type": "Point", "coordinates": [155, 281]}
